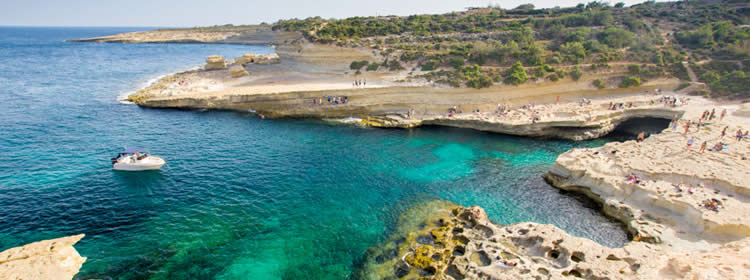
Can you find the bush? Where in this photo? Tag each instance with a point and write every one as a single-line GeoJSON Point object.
{"type": "Point", "coordinates": [632, 81]}
{"type": "Point", "coordinates": [553, 77]}
{"type": "Point", "coordinates": [576, 73]}
{"type": "Point", "coordinates": [598, 84]}
{"type": "Point", "coordinates": [615, 37]}
{"type": "Point", "coordinates": [356, 65]}
{"type": "Point", "coordinates": [373, 66]}
{"type": "Point", "coordinates": [394, 65]}
{"type": "Point", "coordinates": [634, 69]}
{"type": "Point", "coordinates": [456, 62]}
{"type": "Point", "coordinates": [516, 75]}
{"type": "Point", "coordinates": [480, 81]}
{"type": "Point", "coordinates": [430, 65]}
{"type": "Point", "coordinates": [475, 78]}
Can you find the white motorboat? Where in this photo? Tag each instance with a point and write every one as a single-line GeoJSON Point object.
{"type": "Point", "coordinates": [136, 159]}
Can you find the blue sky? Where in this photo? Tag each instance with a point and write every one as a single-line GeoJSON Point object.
{"type": "Point", "coordinates": [188, 13]}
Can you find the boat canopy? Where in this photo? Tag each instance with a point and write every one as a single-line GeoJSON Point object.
{"type": "Point", "coordinates": [133, 150]}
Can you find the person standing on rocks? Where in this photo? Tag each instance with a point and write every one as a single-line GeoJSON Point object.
{"type": "Point", "coordinates": [703, 147]}
{"type": "Point", "coordinates": [690, 143]}
{"type": "Point", "coordinates": [641, 136]}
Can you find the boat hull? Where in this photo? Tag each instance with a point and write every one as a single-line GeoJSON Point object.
{"type": "Point", "coordinates": [150, 164]}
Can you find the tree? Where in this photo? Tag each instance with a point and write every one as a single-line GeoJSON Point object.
{"type": "Point", "coordinates": [527, 6]}
{"type": "Point", "coordinates": [615, 37]}
{"type": "Point", "coordinates": [516, 75]}
{"type": "Point", "coordinates": [577, 35]}
{"type": "Point", "coordinates": [702, 37]}
{"type": "Point", "coordinates": [524, 36]}
{"type": "Point", "coordinates": [619, 5]}
{"type": "Point", "coordinates": [573, 52]}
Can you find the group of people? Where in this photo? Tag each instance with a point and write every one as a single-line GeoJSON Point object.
{"type": "Point", "coordinates": [709, 115]}
{"type": "Point", "coordinates": [358, 83]}
{"type": "Point", "coordinates": [680, 187]}
{"type": "Point", "coordinates": [633, 179]}
{"type": "Point", "coordinates": [410, 113]}
{"type": "Point", "coordinates": [183, 83]}
{"type": "Point", "coordinates": [617, 106]}
{"type": "Point", "coordinates": [669, 101]}
{"type": "Point", "coordinates": [332, 100]}
{"type": "Point", "coordinates": [712, 204]}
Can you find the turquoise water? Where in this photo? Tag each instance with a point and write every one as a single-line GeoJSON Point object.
{"type": "Point", "coordinates": [240, 197]}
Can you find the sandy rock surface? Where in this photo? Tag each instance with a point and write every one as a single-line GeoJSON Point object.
{"type": "Point", "coordinates": [48, 259]}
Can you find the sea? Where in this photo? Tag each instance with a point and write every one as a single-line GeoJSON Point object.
{"type": "Point", "coordinates": [240, 197]}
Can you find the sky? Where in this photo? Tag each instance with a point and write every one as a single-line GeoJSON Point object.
{"type": "Point", "coordinates": [187, 13]}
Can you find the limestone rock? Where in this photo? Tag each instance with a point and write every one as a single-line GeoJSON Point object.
{"type": "Point", "coordinates": [453, 242]}
{"type": "Point", "coordinates": [245, 59]}
{"type": "Point", "coordinates": [48, 259]}
{"type": "Point", "coordinates": [214, 62]}
{"type": "Point", "coordinates": [271, 58]}
{"type": "Point", "coordinates": [238, 71]}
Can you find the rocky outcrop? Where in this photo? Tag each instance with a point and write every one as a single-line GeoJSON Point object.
{"type": "Point", "coordinates": [48, 259]}
{"type": "Point", "coordinates": [245, 59]}
{"type": "Point", "coordinates": [664, 190]}
{"type": "Point", "coordinates": [238, 71]}
{"type": "Point", "coordinates": [215, 62]}
{"type": "Point", "coordinates": [567, 121]}
{"type": "Point", "coordinates": [249, 58]}
{"type": "Point", "coordinates": [453, 242]}
{"type": "Point", "coordinates": [271, 58]}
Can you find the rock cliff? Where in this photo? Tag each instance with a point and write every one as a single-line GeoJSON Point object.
{"type": "Point", "coordinates": [48, 259]}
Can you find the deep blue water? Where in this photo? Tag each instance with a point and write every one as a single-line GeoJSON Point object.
{"type": "Point", "coordinates": [240, 197]}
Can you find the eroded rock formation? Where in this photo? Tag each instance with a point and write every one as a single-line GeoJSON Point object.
{"type": "Point", "coordinates": [237, 71]}
{"type": "Point", "coordinates": [48, 259]}
{"type": "Point", "coordinates": [215, 62]}
{"type": "Point", "coordinates": [453, 242]}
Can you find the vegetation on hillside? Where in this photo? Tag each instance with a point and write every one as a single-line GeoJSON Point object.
{"type": "Point", "coordinates": [483, 46]}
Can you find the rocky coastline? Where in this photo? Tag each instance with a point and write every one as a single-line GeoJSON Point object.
{"type": "Point", "coordinates": [685, 209]}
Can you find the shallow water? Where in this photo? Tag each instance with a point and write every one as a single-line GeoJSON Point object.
{"type": "Point", "coordinates": [240, 197]}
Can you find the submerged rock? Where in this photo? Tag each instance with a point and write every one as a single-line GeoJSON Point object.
{"type": "Point", "coordinates": [48, 259]}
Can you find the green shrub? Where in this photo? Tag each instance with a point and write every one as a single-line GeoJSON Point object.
{"type": "Point", "coordinates": [634, 69]}
{"type": "Point", "coordinates": [394, 65]}
{"type": "Point", "coordinates": [598, 83]}
{"type": "Point", "coordinates": [430, 65]}
{"type": "Point", "coordinates": [632, 81]}
{"type": "Point", "coordinates": [456, 62]}
{"type": "Point", "coordinates": [373, 66]}
{"type": "Point", "coordinates": [516, 75]}
{"type": "Point", "coordinates": [356, 65]}
{"type": "Point", "coordinates": [553, 77]}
